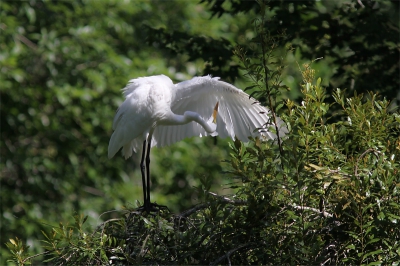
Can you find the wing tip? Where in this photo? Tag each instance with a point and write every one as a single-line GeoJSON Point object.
{"type": "Point", "coordinates": [111, 152]}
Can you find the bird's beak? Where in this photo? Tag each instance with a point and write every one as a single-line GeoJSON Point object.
{"type": "Point", "coordinates": [215, 113]}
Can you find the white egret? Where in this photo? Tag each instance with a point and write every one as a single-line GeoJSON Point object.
{"type": "Point", "coordinates": [157, 112]}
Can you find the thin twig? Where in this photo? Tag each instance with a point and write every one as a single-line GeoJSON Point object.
{"type": "Point", "coordinates": [27, 42]}
{"type": "Point", "coordinates": [111, 220]}
{"type": "Point", "coordinates": [34, 256]}
{"type": "Point", "coordinates": [228, 254]}
{"type": "Point", "coordinates": [268, 90]}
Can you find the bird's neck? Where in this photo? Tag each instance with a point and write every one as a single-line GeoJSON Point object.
{"type": "Point", "coordinates": [187, 117]}
{"type": "Point", "coordinates": [174, 119]}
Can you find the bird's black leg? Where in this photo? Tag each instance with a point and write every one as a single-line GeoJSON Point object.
{"type": "Point", "coordinates": [145, 169]}
{"type": "Point", "coordinates": [142, 169]}
{"type": "Point", "coordinates": [153, 206]}
{"type": "Point", "coordinates": [148, 170]}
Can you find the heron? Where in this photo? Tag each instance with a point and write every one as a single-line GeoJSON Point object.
{"type": "Point", "coordinates": [157, 112]}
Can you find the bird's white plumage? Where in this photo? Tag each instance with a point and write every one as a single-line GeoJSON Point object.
{"type": "Point", "coordinates": [152, 103]}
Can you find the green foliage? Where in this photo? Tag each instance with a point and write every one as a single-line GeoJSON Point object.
{"type": "Point", "coordinates": [191, 165]}
{"type": "Point", "coordinates": [62, 67]}
{"type": "Point", "coordinates": [325, 192]}
{"type": "Point", "coordinates": [196, 47]}
{"type": "Point", "coordinates": [359, 40]}
{"type": "Point", "coordinates": [18, 250]}
{"type": "Point", "coordinates": [70, 244]}
{"type": "Point", "coordinates": [331, 197]}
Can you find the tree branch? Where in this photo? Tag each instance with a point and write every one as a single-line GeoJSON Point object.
{"type": "Point", "coordinates": [324, 213]}
{"type": "Point", "coordinates": [361, 4]}
{"type": "Point", "coordinates": [228, 200]}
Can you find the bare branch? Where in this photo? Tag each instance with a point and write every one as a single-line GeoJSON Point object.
{"type": "Point", "coordinates": [27, 42]}
{"type": "Point", "coordinates": [324, 213]}
{"type": "Point", "coordinates": [104, 223]}
{"type": "Point", "coordinates": [34, 256]}
{"type": "Point", "coordinates": [228, 200]}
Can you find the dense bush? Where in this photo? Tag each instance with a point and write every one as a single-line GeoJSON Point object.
{"type": "Point", "coordinates": [326, 192]}
{"type": "Point", "coordinates": [331, 196]}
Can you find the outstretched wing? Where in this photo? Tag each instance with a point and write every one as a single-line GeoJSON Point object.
{"type": "Point", "coordinates": [238, 114]}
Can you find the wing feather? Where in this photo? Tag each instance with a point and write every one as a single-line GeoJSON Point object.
{"type": "Point", "coordinates": [242, 128]}
{"type": "Point", "coordinates": [238, 115]}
